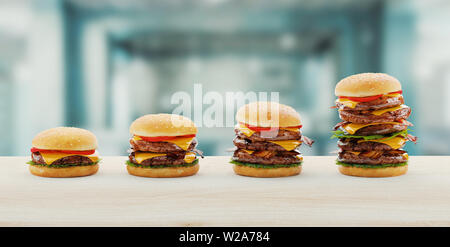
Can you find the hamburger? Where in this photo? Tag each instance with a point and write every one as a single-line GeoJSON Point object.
{"type": "Point", "coordinates": [163, 145]}
{"type": "Point", "coordinates": [267, 139]}
{"type": "Point", "coordinates": [374, 127]}
{"type": "Point", "coordinates": [64, 152]}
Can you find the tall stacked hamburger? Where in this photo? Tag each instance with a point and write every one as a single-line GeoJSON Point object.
{"type": "Point", "coordinates": [163, 145]}
{"type": "Point", "coordinates": [64, 152]}
{"type": "Point", "coordinates": [374, 127]}
{"type": "Point", "coordinates": [267, 140]}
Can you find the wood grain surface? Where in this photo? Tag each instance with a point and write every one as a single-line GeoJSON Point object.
{"type": "Point", "coordinates": [320, 196]}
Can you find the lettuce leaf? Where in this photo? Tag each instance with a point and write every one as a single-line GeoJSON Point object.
{"type": "Point", "coordinates": [339, 163]}
{"type": "Point", "coordinates": [342, 134]}
{"type": "Point", "coordinates": [61, 166]}
{"type": "Point", "coordinates": [195, 162]}
{"type": "Point", "coordinates": [264, 166]}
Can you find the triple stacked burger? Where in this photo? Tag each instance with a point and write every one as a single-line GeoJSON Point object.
{"type": "Point", "coordinates": [267, 140]}
{"type": "Point", "coordinates": [374, 128]}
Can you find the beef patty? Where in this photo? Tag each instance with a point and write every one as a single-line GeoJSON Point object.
{"type": "Point", "coordinates": [281, 135]}
{"type": "Point", "coordinates": [176, 158]}
{"type": "Point", "coordinates": [75, 159]}
{"type": "Point", "coordinates": [159, 147]}
{"type": "Point", "coordinates": [374, 158]}
{"type": "Point", "coordinates": [365, 117]}
{"type": "Point", "coordinates": [351, 144]}
{"type": "Point", "coordinates": [378, 104]}
{"type": "Point", "coordinates": [256, 145]}
{"type": "Point", "coordinates": [379, 129]}
{"type": "Point", "coordinates": [267, 157]}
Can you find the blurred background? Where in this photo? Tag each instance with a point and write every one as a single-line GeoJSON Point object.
{"type": "Point", "coordinates": [100, 64]}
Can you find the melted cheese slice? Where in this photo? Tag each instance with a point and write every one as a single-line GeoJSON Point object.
{"type": "Point", "coordinates": [246, 131]}
{"type": "Point", "coordinates": [394, 95]}
{"type": "Point", "coordinates": [351, 128]}
{"type": "Point", "coordinates": [299, 157]}
{"type": "Point", "coordinates": [355, 153]}
{"type": "Point", "coordinates": [348, 103]}
{"type": "Point", "coordinates": [51, 157]}
{"type": "Point", "coordinates": [248, 151]}
{"type": "Point", "coordinates": [382, 111]}
{"type": "Point", "coordinates": [141, 156]}
{"type": "Point", "coordinates": [189, 157]}
{"type": "Point", "coordinates": [394, 143]}
{"type": "Point", "coordinates": [406, 156]}
{"type": "Point", "coordinates": [289, 145]}
{"type": "Point", "coordinates": [182, 142]}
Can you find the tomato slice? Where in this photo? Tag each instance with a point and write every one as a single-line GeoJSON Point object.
{"type": "Point", "coordinates": [87, 152]}
{"type": "Point", "coordinates": [367, 99]}
{"type": "Point", "coordinates": [362, 99]}
{"type": "Point", "coordinates": [258, 129]}
{"type": "Point", "coordinates": [163, 138]}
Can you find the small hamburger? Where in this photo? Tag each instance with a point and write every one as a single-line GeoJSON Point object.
{"type": "Point", "coordinates": [64, 152]}
{"type": "Point", "coordinates": [267, 139]}
{"type": "Point", "coordinates": [163, 146]}
{"type": "Point", "coordinates": [374, 127]}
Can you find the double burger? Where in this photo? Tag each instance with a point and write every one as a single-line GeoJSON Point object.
{"type": "Point", "coordinates": [64, 152]}
{"type": "Point", "coordinates": [267, 139]}
{"type": "Point", "coordinates": [163, 145]}
{"type": "Point", "coordinates": [374, 127]}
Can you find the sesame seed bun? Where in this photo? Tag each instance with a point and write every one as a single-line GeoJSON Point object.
{"type": "Point", "coordinates": [154, 125]}
{"type": "Point", "coordinates": [267, 172]}
{"type": "Point", "coordinates": [66, 172]}
{"type": "Point", "coordinates": [268, 114]}
{"type": "Point", "coordinates": [367, 84]}
{"type": "Point", "coordinates": [373, 172]}
{"type": "Point", "coordinates": [65, 138]}
{"type": "Point", "coordinates": [166, 172]}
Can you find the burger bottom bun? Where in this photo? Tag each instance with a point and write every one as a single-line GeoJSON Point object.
{"type": "Point", "coordinates": [373, 172]}
{"type": "Point", "coordinates": [267, 172]}
{"type": "Point", "coordinates": [166, 172]}
{"type": "Point", "coordinates": [66, 172]}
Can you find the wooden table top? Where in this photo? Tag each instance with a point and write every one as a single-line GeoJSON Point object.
{"type": "Point", "coordinates": [319, 196]}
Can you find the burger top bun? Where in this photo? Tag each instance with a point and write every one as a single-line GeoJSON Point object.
{"type": "Point", "coordinates": [65, 138]}
{"type": "Point", "coordinates": [154, 125]}
{"type": "Point", "coordinates": [268, 114]}
{"type": "Point", "coordinates": [367, 84]}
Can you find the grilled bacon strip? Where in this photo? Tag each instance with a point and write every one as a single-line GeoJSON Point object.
{"type": "Point", "coordinates": [307, 140]}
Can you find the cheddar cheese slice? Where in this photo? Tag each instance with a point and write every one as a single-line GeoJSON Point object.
{"type": "Point", "coordinates": [190, 157]}
{"type": "Point", "coordinates": [244, 130]}
{"type": "Point", "coordinates": [355, 153]}
{"type": "Point", "coordinates": [182, 142]}
{"type": "Point", "coordinates": [289, 145]}
{"type": "Point", "coordinates": [382, 111]}
{"type": "Point", "coordinates": [406, 156]}
{"type": "Point", "coordinates": [394, 95]}
{"type": "Point", "coordinates": [141, 156]}
{"type": "Point", "coordinates": [347, 102]}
